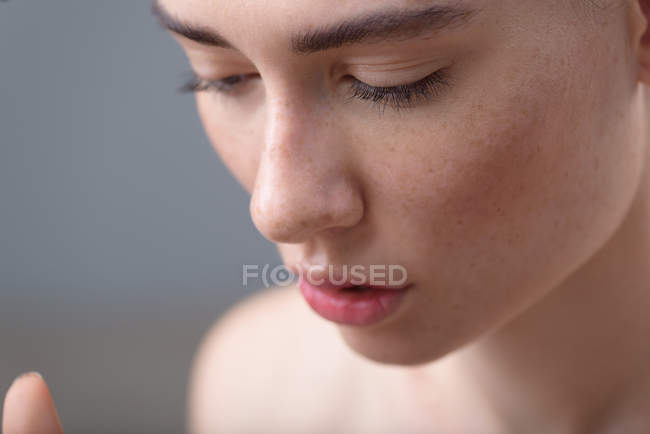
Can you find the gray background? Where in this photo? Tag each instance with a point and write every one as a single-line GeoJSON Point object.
{"type": "Point", "coordinates": [122, 234]}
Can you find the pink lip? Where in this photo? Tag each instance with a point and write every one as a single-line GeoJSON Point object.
{"type": "Point", "coordinates": [352, 308]}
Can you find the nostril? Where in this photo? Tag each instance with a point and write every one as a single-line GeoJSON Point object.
{"type": "Point", "coordinates": [287, 224]}
{"type": "Point", "coordinates": [289, 217]}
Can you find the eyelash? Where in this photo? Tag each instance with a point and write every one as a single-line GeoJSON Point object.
{"type": "Point", "coordinates": [197, 84]}
{"type": "Point", "coordinates": [397, 97]}
{"type": "Point", "coordinates": [402, 96]}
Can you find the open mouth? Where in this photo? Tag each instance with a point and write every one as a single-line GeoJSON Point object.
{"type": "Point", "coordinates": [353, 304]}
{"type": "Point", "coordinates": [357, 289]}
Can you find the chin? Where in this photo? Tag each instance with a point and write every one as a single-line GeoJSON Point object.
{"type": "Point", "coordinates": [394, 346]}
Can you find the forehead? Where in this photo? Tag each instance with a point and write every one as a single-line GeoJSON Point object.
{"type": "Point", "coordinates": [315, 11]}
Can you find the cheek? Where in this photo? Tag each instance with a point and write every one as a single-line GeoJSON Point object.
{"type": "Point", "coordinates": [490, 212]}
{"type": "Point", "coordinates": [509, 198]}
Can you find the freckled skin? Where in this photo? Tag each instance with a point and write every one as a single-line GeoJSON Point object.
{"type": "Point", "coordinates": [492, 195]}
{"type": "Point", "coordinates": [520, 177]}
{"type": "Point", "coordinates": [489, 196]}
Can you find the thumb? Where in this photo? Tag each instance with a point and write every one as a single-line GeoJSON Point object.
{"type": "Point", "coordinates": [29, 408]}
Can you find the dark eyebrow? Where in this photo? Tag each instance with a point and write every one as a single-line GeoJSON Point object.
{"type": "Point", "coordinates": [381, 26]}
{"type": "Point", "coordinates": [373, 27]}
{"type": "Point", "coordinates": [198, 34]}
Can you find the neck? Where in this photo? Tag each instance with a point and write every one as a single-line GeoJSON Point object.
{"type": "Point", "coordinates": [579, 360]}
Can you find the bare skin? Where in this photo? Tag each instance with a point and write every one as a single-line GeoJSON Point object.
{"type": "Point", "coordinates": [29, 408]}
{"type": "Point", "coordinates": [290, 379]}
{"type": "Point", "coordinates": [517, 198]}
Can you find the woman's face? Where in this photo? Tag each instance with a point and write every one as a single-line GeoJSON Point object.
{"type": "Point", "coordinates": [508, 169]}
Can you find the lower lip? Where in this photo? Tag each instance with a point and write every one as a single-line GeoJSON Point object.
{"type": "Point", "coordinates": [352, 308]}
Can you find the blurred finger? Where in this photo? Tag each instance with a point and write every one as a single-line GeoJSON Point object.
{"type": "Point", "coordinates": [29, 407]}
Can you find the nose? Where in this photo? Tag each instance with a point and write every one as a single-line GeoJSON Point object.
{"type": "Point", "coordinates": [304, 183]}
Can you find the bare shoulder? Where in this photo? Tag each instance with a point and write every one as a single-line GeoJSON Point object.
{"type": "Point", "coordinates": [271, 365]}
{"type": "Point", "coordinates": [268, 365]}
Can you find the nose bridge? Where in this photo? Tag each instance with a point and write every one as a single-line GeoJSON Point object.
{"type": "Point", "coordinates": [303, 185]}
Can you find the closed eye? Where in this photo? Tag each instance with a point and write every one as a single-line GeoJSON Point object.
{"type": "Point", "coordinates": [224, 85]}
{"type": "Point", "coordinates": [403, 96]}
{"type": "Point", "coordinates": [397, 97]}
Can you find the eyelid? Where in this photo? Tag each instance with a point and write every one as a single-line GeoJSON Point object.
{"type": "Point", "coordinates": [407, 95]}
{"type": "Point", "coordinates": [392, 73]}
{"type": "Point", "coordinates": [196, 83]}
